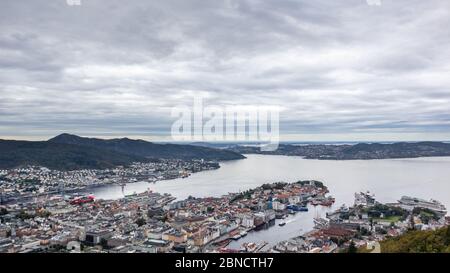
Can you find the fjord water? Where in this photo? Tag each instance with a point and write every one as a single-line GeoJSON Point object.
{"type": "Point", "coordinates": [388, 179]}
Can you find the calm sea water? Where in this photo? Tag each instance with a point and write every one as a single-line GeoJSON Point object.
{"type": "Point", "coordinates": [388, 179]}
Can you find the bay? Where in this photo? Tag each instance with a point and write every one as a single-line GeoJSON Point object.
{"type": "Point", "coordinates": [388, 179]}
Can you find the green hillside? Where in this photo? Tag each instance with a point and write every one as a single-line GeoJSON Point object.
{"type": "Point", "coordinates": [437, 241]}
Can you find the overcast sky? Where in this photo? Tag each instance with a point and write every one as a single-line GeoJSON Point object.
{"type": "Point", "coordinates": [340, 69]}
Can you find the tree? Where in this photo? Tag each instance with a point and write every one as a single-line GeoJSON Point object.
{"type": "Point", "coordinates": [429, 241]}
{"type": "Point", "coordinates": [140, 222]}
{"type": "Point", "coordinates": [3, 211]}
{"type": "Point", "coordinates": [352, 248]}
{"type": "Point", "coordinates": [447, 236]}
{"type": "Point", "coordinates": [44, 213]}
{"type": "Point", "coordinates": [23, 215]}
{"type": "Point", "coordinates": [365, 232]}
{"type": "Point", "coordinates": [104, 243]}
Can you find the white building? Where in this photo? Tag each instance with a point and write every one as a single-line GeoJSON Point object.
{"type": "Point", "coordinates": [276, 205]}
{"type": "Point", "coordinates": [248, 221]}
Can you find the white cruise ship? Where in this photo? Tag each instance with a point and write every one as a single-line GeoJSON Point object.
{"type": "Point", "coordinates": [410, 203]}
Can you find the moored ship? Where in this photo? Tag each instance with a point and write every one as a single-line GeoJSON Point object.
{"type": "Point", "coordinates": [410, 203]}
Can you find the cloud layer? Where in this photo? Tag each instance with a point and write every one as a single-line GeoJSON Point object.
{"type": "Point", "coordinates": [339, 69]}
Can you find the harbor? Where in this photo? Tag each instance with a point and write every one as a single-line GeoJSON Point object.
{"type": "Point", "coordinates": [231, 212]}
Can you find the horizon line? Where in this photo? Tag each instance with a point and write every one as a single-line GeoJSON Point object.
{"type": "Point", "coordinates": [298, 141]}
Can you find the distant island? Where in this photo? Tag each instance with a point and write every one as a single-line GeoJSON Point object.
{"type": "Point", "coordinates": [71, 152]}
{"type": "Point", "coordinates": [353, 152]}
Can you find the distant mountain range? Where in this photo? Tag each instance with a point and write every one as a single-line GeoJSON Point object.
{"type": "Point", "coordinates": [357, 151]}
{"type": "Point", "coordinates": [71, 152]}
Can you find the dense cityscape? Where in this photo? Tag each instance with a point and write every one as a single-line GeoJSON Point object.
{"type": "Point", "coordinates": [150, 222]}
{"type": "Point", "coordinates": [33, 182]}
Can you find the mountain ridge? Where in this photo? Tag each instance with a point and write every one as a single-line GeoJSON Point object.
{"type": "Point", "coordinates": [17, 153]}
{"type": "Point", "coordinates": [147, 149]}
{"type": "Point", "coordinates": [71, 152]}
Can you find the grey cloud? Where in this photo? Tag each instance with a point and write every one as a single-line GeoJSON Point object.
{"type": "Point", "coordinates": [116, 68]}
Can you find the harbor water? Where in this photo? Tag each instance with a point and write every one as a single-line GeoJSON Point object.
{"type": "Point", "coordinates": [388, 179]}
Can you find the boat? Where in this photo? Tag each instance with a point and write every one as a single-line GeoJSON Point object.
{"type": "Point", "coordinates": [303, 208]}
{"type": "Point", "coordinates": [235, 235]}
{"type": "Point", "coordinates": [82, 200]}
{"type": "Point", "coordinates": [282, 224]}
{"type": "Point", "coordinates": [224, 243]}
{"type": "Point", "coordinates": [410, 203]}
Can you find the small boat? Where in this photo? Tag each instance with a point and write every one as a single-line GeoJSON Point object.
{"type": "Point", "coordinates": [236, 237]}
{"type": "Point", "coordinates": [243, 233]}
{"type": "Point", "coordinates": [282, 224]}
{"type": "Point", "coordinates": [223, 243]}
{"type": "Point", "coordinates": [303, 208]}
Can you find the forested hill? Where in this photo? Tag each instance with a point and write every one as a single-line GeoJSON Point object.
{"type": "Point", "coordinates": [70, 152]}
{"type": "Point", "coordinates": [432, 241]}
{"type": "Point", "coordinates": [149, 149]}
{"type": "Point", "coordinates": [59, 156]}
